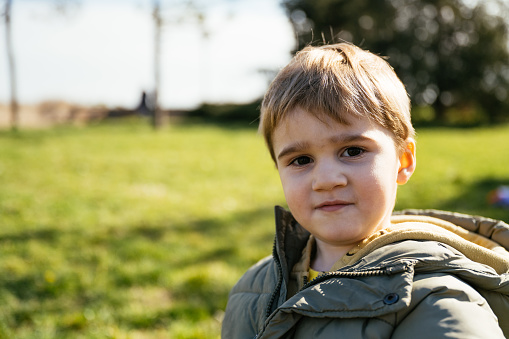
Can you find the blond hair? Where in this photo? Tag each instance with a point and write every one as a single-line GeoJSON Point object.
{"type": "Point", "coordinates": [337, 81]}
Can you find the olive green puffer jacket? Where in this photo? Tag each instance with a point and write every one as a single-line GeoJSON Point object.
{"type": "Point", "coordinates": [413, 287]}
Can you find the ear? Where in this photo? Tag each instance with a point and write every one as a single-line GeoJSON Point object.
{"type": "Point", "coordinates": [407, 162]}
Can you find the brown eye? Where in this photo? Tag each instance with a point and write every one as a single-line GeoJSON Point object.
{"type": "Point", "coordinates": [301, 161]}
{"type": "Point", "coordinates": [353, 152]}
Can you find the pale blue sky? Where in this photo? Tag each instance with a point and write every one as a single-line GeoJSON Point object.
{"type": "Point", "coordinates": [101, 52]}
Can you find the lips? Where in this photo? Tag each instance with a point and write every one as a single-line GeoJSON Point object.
{"type": "Point", "coordinates": [333, 205]}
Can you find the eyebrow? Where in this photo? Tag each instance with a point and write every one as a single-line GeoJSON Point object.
{"type": "Point", "coordinates": [298, 146]}
{"type": "Point", "coordinates": [292, 148]}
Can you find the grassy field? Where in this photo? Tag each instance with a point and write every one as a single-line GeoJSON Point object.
{"type": "Point", "coordinates": [117, 231]}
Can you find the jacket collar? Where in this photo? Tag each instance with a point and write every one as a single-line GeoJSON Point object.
{"type": "Point", "coordinates": [291, 238]}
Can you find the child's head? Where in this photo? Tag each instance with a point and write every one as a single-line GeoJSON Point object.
{"type": "Point", "coordinates": [337, 124]}
{"type": "Point", "coordinates": [338, 81]}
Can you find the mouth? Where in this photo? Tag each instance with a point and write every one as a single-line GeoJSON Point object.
{"type": "Point", "coordinates": [333, 205]}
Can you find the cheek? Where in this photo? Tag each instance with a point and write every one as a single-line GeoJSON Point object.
{"type": "Point", "coordinates": [381, 181]}
{"type": "Point", "coordinates": [294, 191]}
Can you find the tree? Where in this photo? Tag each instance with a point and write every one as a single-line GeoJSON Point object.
{"type": "Point", "coordinates": [156, 15]}
{"type": "Point", "coordinates": [61, 6]}
{"type": "Point", "coordinates": [182, 10]}
{"type": "Point", "coordinates": [14, 108]}
{"type": "Point", "coordinates": [448, 53]}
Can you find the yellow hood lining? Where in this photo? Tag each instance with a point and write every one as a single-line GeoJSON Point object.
{"type": "Point", "coordinates": [416, 227]}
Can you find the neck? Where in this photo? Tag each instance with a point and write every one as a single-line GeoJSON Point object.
{"type": "Point", "coordinates": [327, 255]}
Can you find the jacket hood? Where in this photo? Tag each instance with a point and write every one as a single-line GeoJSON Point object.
{"type": "Point", "coordinates": [480, 239]}
{"type": "Point", "coordinates": [473, 245]}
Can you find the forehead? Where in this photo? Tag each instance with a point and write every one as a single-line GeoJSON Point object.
{"type": "Point", "coordinates": [299, 120]}
{"type": "Point", "coordinates": [300, 126]}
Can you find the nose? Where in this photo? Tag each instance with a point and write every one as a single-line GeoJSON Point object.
{"type": "Point", "coordinates": [328, 175]}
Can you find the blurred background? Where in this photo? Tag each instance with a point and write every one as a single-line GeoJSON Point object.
{"type": "Point", "coordinates": [96, 53]}
{"type": "Point", "coordinates": [135, 189]}
{"type": "Point", "coordinates": [451, 55]}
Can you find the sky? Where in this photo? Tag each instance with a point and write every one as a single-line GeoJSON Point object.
{"type": "Point", "coordinates": [100, 52]}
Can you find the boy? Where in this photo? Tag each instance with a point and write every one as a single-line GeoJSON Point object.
{"type": "Point", "coordinates": [337, 124]}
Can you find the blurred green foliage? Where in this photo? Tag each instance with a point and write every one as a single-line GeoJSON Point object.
{"type": "Point", "coordinates": [452, 55]}
{"type": "Point", "coordinates": [117, 231]}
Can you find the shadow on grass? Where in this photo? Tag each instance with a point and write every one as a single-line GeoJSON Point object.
{"type": "Point", "coordinates": [474, 199]}
{"type": "Point", "coordinates": [193, 261]}
{"type": "Point", "coordinates": [45, 234]}
{"type": "Point", "coordinates": [198, 251]}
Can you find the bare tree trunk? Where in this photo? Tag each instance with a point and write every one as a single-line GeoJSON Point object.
{"type": "Point", "coordinates": [156, 117]}
{"type": "Point", "coordinates": [12, 69]}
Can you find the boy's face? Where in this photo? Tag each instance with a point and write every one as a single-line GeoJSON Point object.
{"type": "Point", "coordinates": [340, 181]}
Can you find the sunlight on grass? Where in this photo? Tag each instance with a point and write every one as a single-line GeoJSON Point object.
{"type": "Point", "coordinates": [457, 168]}
{"type": "Point", "coordinates": [117, 231]}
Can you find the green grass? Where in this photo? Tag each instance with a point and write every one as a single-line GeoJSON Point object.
{"type": "Point", "coordinates": [117, 231]}
{"type": "Point", "coordinates": [456, 170]}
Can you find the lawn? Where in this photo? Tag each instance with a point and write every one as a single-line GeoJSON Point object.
{"type": "Point", "coordinates": [117, 231]}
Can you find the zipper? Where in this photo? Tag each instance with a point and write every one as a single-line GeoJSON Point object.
{"type": "Point", "coordinates": [357, 274]}
{"type": "Point", "coordinates": [279, 281]}
{"type": "Point", "coordinates": [406, 267]}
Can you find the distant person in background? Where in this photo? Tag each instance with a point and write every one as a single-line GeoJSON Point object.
{"type": "Point", "coordinates": [143, 107]}
{"type": "Point", "coordinates": [337, 124]}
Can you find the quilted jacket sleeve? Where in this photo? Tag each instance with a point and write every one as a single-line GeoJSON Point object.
{"type": "Point", "coordinates": [245, 311]}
